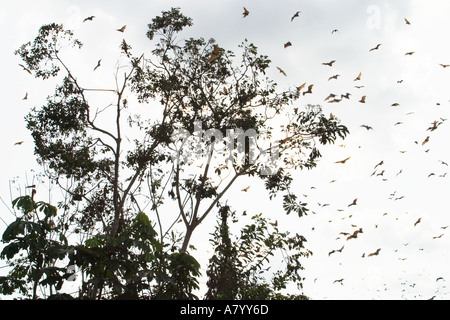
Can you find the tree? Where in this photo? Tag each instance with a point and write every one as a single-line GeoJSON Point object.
{"type": "Point", "coordinates": [241, 269]}
{"type": "Point", "coordinates": [212, 120]}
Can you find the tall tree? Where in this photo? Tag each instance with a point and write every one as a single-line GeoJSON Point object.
{"type": "Point", "coordinates": [213, 118]}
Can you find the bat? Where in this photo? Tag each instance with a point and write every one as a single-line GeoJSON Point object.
{"type": "Point", "coordinates": [444, 65]}
{"type": "Point", "coordinates": [329, 63]}
{"type": "Point", "coordinates": [353, 203]}
{"type": "Point", "coordinates": [355, 234]}
{"type": "Point", "coordinates": [417, 222]}
{"type": "Point", "coordinates": [334, 77]}
{"type": "Point", "coordinates": [335, 30]}
{"type": "Point", "coordinates": [24, 68]}
{"type": "Point", "coordinates": [122, 29]}
{"type": "Point", "coordinates": [375, 48]}
{"type": "Point", "coordinates": [301, 87]}
{"type": "Point", "coordinates": [343, 161]}
{"type": "Point", "coordinates": [359, 87]}
{"type": "Point", "coordinates": [89, 18]}
{"type": "Point", "coordinates": [426, 140]}
{"type": "Point", "coordinates": [245, 12]}
{"type": "Point", "coordinates": [363, 99]}
{"type": "Point", "coordinates": [281, 71]}
{"type": "Point", "coordinates": [437, 237]}
{"type": "Point", "coordinates": [367, 127]}
{"type": "Point", "coordinates": [246, 189]}
{"type": "Point", "coordinates": [379, 164]}
{"type": "Point", "coordinates": [98, 64]}
{"type": "Point", "coordinates": [333, 251]}
{"type": "Point", "coordinates": [18, 143]}
{"type": "Point", "coordinates": [295, 15]}
{"type": "Point", "coordinates": [409, 53]}
{"type": "Point", "coordinates": [346, 96]}
{"type": "Point", "coordinates": [335, 101]}
{"type": "Point", "coordinates": [287, 44]}
{"type": "Point", "coordinates": [358, 77]}
{"type": "Point", "coordinates": [406, 21]}
{"type": "Point", "coordinates": [309, 89]}
{"type": "Point", "coordinates": [374, 253]}
{"type": "Point", "coordinates": [274, 223]}
{"type": "Point", "coordinates": [332, 95]}
{"type": "Point", "coordinates": [26, 96]}
{"type": "Point", "coordinates": [214, 54]}
{"type": "Point", "coordinates": [395, 104]}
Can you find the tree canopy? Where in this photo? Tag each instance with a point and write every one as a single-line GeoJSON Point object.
{"type": "Point", "coordinates": [215, 118]}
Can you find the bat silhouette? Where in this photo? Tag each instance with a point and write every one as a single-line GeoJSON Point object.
{"type": "Point", "coordinates": [358, 77]}
{"type": "Point", "coordinates": [214, 54]}
{"type": "Point", "coordinates": [26, 96]}
{"type": "Point", "coordinates": [246, 189]}
{"type": "Point", "coordinates": [353, 203]}
{"type": "Point", "coordinates": [418, 221]}
{"type": "Point", "coordinates": [18, 143]}
{"type": "Point", "coordinates": [437, 237]}
{"type": "Point", "coordinates": [245, 12]}
{"type": "Point", "coordinates": [329, 63]}
{"type": "Point", "coordinates": [332, 95]}
{"type": "Point", "coordinates": [426, 140]}
{"type": "Point", "coordinates": [338, 280]}
{"type": "Point", "coordinates": [444, 65]}
{"type": "Point", "coordinates": [375, 48]}
{"type": "Point", "coordinates": [346, 96]}
{"type": "Point", "coordinates": [355, 234]}
{"type": "Point", "coordinates": [334, 77]}
{"type": "Point", "coordinates": [287, 44]}
{"type": "Point", "coordinates": [122, 29]}
{"type": "Point", "coordinates": [374, 253]}
{"type": "Point", "coordinates": [281, 71]}
{"type": "Point", "coordinates": [295, 15]}
{"type": "Point", "coordinates": [301, 87]}
{"type": "Point", "coordinates": [406, 21]}
{"type": "Point", "coordinates": [309, 89]}
{"type": "Point", "coordinates": [409, 53]}
{"type": "Point", "coordinates": [363, 99]}
{"type": "Point", "coordinates": [379, 164]}
{"type": "Point", "coordinates": [89, 18]}
{"type": "Point", "coordinates": [343, 161]}
{"type": "Point", "coordinates": [335, 30]}
{"type": "Point", "coordinates": [98, 64]}
{"type": "Point", "coordinates": [333, 251]}
{"type": "Point", "coordinates": [367, 127]}
{"type": "Point", "coordinates": [395, 104]}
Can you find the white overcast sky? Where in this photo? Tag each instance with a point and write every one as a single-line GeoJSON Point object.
{"type": "Point", "coordinates": [410, 259]}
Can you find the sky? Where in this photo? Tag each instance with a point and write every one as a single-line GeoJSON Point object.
{"type": "Point", "coordinates": [410, 184]}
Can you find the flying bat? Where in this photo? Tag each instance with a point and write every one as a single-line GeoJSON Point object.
{"type": "Point", "coordinates": [339, 280]}
{"type": "Point", "coordinates": [379, 164]}
{"type": "Point", "coordinates": [246, 189]}
{"type": "Point", "coordinates": [367, 127]}
{"type": "Point", "coordinates": [409, 53]}
{"type": "Point", "coordinates": [363, 99]}
{"type": "Point", "coordinates": [426, 140]}
{"type": "Point", "coordinates": [406, 21]}
{"type": "Point", "coordinates": [353, 203]}
{"type": "Point", "coordinates": [329, 63]}
{"type": "Point", "coordinates": [334, 77]}
{"type": "Point", "coordinates": [395, 104]}
{"type": "Point", "coordinates": [295, 15]}
{"type": "Point", "coordinates": [375, 48]}
{"type": "Point", "coordinates": [301, 87]}
{"type": "Point", "coordinates": [281, 71]}
{"type": "Point", "coordinates": [245, 12]}
{"type": "Point", "coordinates": [343, 161]}
{"type": "Point", "coordinates": [26, 96]}
{"type": "Point", "coordinates": [358, 77]}
{"type": "Point", "coordinates": [18, 143]}
{"type": "Point", "coordinates": [335, 30]}
{"type": "Point", "coordinates": [98, 64]}
{"type": "Point", "coordinates": [332, 95]}
{"type": "Point", "coordinates": [418, 221]}
{"type": "Point", "coordinates": [374, 253]}
{"type": "Point", "coordinates": [333, 251]}
{"type": "Point", "coordinates": [444, 65]}
{"type": "Point", "coordinates": [287, 44]}
{"type": "Point", "coordinates": [122, 29]}
{"type": "Point", "coordinates": [214, 54]}
{"type": "Point", "coordinates": [309, 89]}
{"type": "Point", "coordinates": [89, 18]}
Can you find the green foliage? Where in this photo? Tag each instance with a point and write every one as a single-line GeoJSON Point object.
{"type": "Point", "coordinates": [240, 269]}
